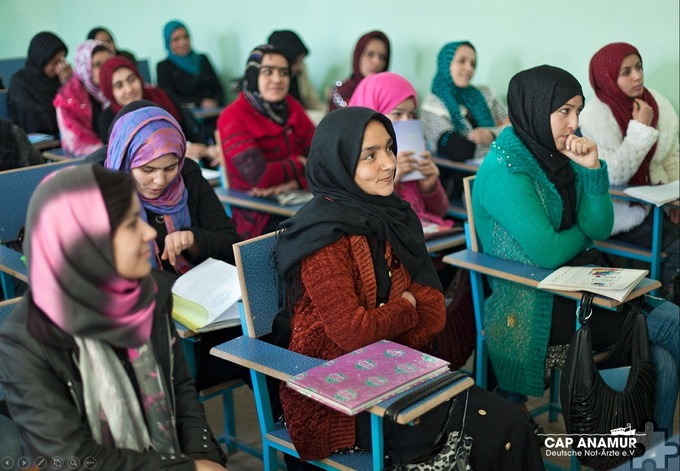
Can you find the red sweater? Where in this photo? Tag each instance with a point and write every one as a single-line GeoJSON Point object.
{"type": "Point", "coordinates": [261, 153]}
{"type": "Point", "coordinates": [335, 315]}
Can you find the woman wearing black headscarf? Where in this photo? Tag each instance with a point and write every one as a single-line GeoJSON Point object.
{"type": "Point", "coordinates": [540, 198]}
{"type": "Point", "coordinates": [32, 89]}
{"type": "Point", "coordinates": [356, 270]}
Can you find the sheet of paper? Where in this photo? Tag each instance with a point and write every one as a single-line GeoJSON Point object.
{"type": "Point", "coordinates": [410, 137]}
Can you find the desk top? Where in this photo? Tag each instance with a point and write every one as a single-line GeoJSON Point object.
{"type": "Point", "coordinates": [59, 155]}
{"type": "Point", "coordinates": [11, 263]}
{"type": "Point", "coordinates": [468, 166]}
{"type": "Point", "coordinates": [530, 275]}
{"type": "Point", "coordinates": [205, 113]}
{"type": "Point", "coordinates": [242, 199]}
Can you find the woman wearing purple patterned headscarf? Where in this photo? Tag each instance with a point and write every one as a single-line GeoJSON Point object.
{"type": "Point", "coordinates": [80, 101]}
{"type": "Point", "coordinates": [91, 364]}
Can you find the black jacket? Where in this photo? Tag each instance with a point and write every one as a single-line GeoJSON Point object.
{"type": "Point", "coordinates": [187, 88]}
{"type": "Point", "coordinates": [45, 393]}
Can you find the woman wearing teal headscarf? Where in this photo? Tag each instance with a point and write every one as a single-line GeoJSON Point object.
{"type": "Point", "coordinates": [460, 120]}
{"type": "Point", "coordinates": [186, 75]}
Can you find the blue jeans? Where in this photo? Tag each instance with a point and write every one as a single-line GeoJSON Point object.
{"type": "Point", "coordinates": [663, 325]}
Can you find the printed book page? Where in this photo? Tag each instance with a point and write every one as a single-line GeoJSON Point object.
{"type": "Point", "coordinates": [410, 137]}
{"type": "Point", "coordinates": [615, 283]}
{"type": "Point", "coordinates": [657, 194]}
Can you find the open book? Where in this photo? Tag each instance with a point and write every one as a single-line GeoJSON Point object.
{"type": "Point", "coordinates": [657, 194]}
{"type": "Point", "coordinates": [204, 298]}
{"type": "Point", "coordinates": [293, 197]}
{"type": "Point", "coordinates": [432, 230]}
{"type": "Point", "coordinates": [615, 283]}
{"type": "Point", "coordinates": [36, 137]}
{"type": "Point", "coordinates": [360, 379]}
{"type": "Point", "coordinates": [410, 137]}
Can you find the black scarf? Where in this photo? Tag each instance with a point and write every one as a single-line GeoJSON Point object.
{"type": "Point", "coordinates": [533, 95]}
{"type": "Point", "coordinates": [31, 79]}
{"type": "Point", "coordinates": [277, 112]}
{"type": "Point", "coordinates": [341, 208]}
{"type": "Point", "coordinates": [292, 47]}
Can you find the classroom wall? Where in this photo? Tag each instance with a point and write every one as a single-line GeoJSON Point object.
{"type": "Point", "coordinates": [510, 35]}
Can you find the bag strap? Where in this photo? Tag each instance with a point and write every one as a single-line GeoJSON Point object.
{"type": "Point", "coordinates": [585, 309]}
{"type": "Point", "coordinates": [415, 395]}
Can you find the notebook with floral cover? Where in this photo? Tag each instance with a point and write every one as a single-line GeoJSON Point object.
{"type": "Point", "coordinates": [362, 378]}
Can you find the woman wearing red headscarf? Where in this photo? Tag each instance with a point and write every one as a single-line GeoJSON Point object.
{"type": "Point", "coordinates": [636, 130]}
{"type": "Point", "coordinates": [371, 56]}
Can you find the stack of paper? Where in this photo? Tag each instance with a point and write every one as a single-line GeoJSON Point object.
{"type": "Point", "coordinates": [657, 194]}
{"type": "Point", "coordinates": [615, 283]}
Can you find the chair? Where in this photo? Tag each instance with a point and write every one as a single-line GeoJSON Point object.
{"type": "Point", "coordinates": [4, 112]}
{"type": "Point", "coordinates": [143, 68]}
{"type": "Point", "coordinates": [8, 67]}
{"type": "Point", "coordinates": [260, 292]}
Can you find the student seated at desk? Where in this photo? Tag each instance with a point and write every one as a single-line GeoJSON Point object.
{"type": "Point", "coordinates": [636, 130]}
{"type": "Point", "coordinates": [460, 119]}
{"type": "Point", "coordinates": [92, 368]}
{"type": "Point", "coordinates": [181, 206]}
{"type": "Point", "coordinates": [15, 149]}
{"type": "Point", "coordinates": [265, 135]}
{"type": "Point", "coordinates": [32, 89]}
{"type": "Point", "coordinates": [187, 76]}
{"type": "Point", "coordinates": [540, 198]}
{"type": "Point", "coordinates": [104, 35]}
{"type": "Point", "coordinates": [80, 101]}
{"type": "Point", "coordinates": [356, 270]}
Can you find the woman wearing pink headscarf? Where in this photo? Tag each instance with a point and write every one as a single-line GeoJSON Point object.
{"type": "Point", "coordinates": [80, 101]}
{"type": "Point", "coordinates": [393, 96]}
{"type": "Point", "coordinates": [92, 367]}
{"type": "Point", "coordinates": [636, 131]}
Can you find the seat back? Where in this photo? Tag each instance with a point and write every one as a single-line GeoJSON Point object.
{"type": "Point", "coordinates": [143, 68]}
{"type": "Point", "coordinates": [470, 229]}
{"type": "Point", "coordinates": [4, 112]}
{"type": "Point", "coordinates": [17, 188]}
{"type": "Point", "coordinates": [5, 308]}
{"type": "Point", "coordinates": [259, 283]}
{"type": "Point", "coordinates": [8, 67]}
{"type": "Point", "coordinates": [223, 164]}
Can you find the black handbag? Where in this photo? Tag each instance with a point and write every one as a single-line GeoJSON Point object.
{"type": "Point", "coordinates": [593, 409]}
{"type": "Point", "coordinates": [431, 443]}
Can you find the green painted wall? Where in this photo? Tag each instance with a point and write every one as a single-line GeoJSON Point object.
{"type": "Point", "coordinates": [509, 35]}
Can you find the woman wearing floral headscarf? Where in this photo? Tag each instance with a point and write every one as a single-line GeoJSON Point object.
{"type": "Point", "coordinates": [80, 101]}
{"type": "Point", "coordinates": [92, 368]}
{"type": "Point", "coordinates": [460, 120]}
{"type": "Point", "coordinates": [265, 136]}
{"type": "Point", "coordinates": [637, 132]}
{"type": "Point", "coordinates": [185, 75]}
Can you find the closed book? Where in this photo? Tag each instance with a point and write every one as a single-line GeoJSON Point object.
{"type": "Point", "coordinates": [364, 377]}
{"type": "Point", "coordinates": [411, 138]}
{"type": "Point", "coordinates": [204, 298]}
{"type": "Point", "coordinates": [615, 283]}
{"type": "Point", "coordinates": [657, 194]}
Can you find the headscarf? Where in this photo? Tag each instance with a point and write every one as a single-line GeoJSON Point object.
{"type": "Point", "coordinates": [277, 112]}
{"type": "Point", "coordinates": [340, 207]}
{"type": "Point", "coordinates": [453, 96]}
{"type": "Point", "coordinates": [347, 87]}
{"type": "Point", "coordinates": [191, 62]}
{"type": "Point", "coordinates": [533, 95]}
{"type": "Point", "coordinates": [292, 47]}
{"type": "Point", "coordinates": [383, 92]}
{"type": "Point", "coordinates": [72, 268]}
{"type": "Point", "coordinates": [604, 72]}
{"type": "Point", "coordinates": [149, 92]}
{"type": "Point", "coordinates": [44, 46]}
{"type": "Point", "coordinates": [83, 68]}
{"type": "Point", "coordinates": [95, 31]}
{"type": "Point", "coordinates": [136, 139]}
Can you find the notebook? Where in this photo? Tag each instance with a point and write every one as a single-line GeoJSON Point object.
{"type": "Point", "coordinates": [410, 137]}
{"type": "Point", "coordinates": [615, 283]}
{"type": "Point", "coordinates": [362, 378]}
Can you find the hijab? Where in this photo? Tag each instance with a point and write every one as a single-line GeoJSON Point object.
{"type": "Point", "coordinates": [149, 92]}
{"type": "Point", "coordinates": [191, 62]}
{"type": "Point", "coordinates": [604, 72]}
{"type": "Point", "coordinates": [453, 96]}
{"type": "Point", "coordinates": [292, 47]}
{"type": "Point", "coordinates": [136, 139]}
{"type": "Point", "coordinates": [277, 112]}
{"type": "Point", "coordinates": [43, 47]}
{"type": "Point", "coordinates": [383, 92]}
{"type": "Point", "coordinates": [70, 256]}
{"type": "Point", "coordinates": [533, 95]}
{"type": "Point", "coordinates": [82, 68]}
{"type": "Point", "coordinates": [341, 208]}
{"type": "Point", "coordinates": [347, 87]}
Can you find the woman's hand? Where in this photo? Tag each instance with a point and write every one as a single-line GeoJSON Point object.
{"type": "Point", "coordinates": [196, 151]}
{"type": "Point", "coordinates": [481, 136]}
{"type": "Point", "coordinates": [214, 156]}
{"type": "Point", "coordinates": [209, 103]}
{"type": "Point", "coordinates": [408, 295]}
{"type": "Point", "coordinates": [64, 71]}
{"type": "Point", "coordinates": [302, 159]}
{"type": "Point", "coordinates": [406, 163]}
{"type": "Point", "coordinates": [429, 169]}
{"type": "Point", "coordinates": [583, 151]}
{"type": "Point", "coordinates": [176, 243]}
{"type": "Point", "coordinates": [290, 185]}
{"type": "Point", "coordinates": [674, 215]}
{"type": "Point", "coordinates": [207, 465]}
{"type": "Point", "coordinates": [642, 112]}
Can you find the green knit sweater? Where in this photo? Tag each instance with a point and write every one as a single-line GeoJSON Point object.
{"type": "Point", "coordinates": [517, 215]}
